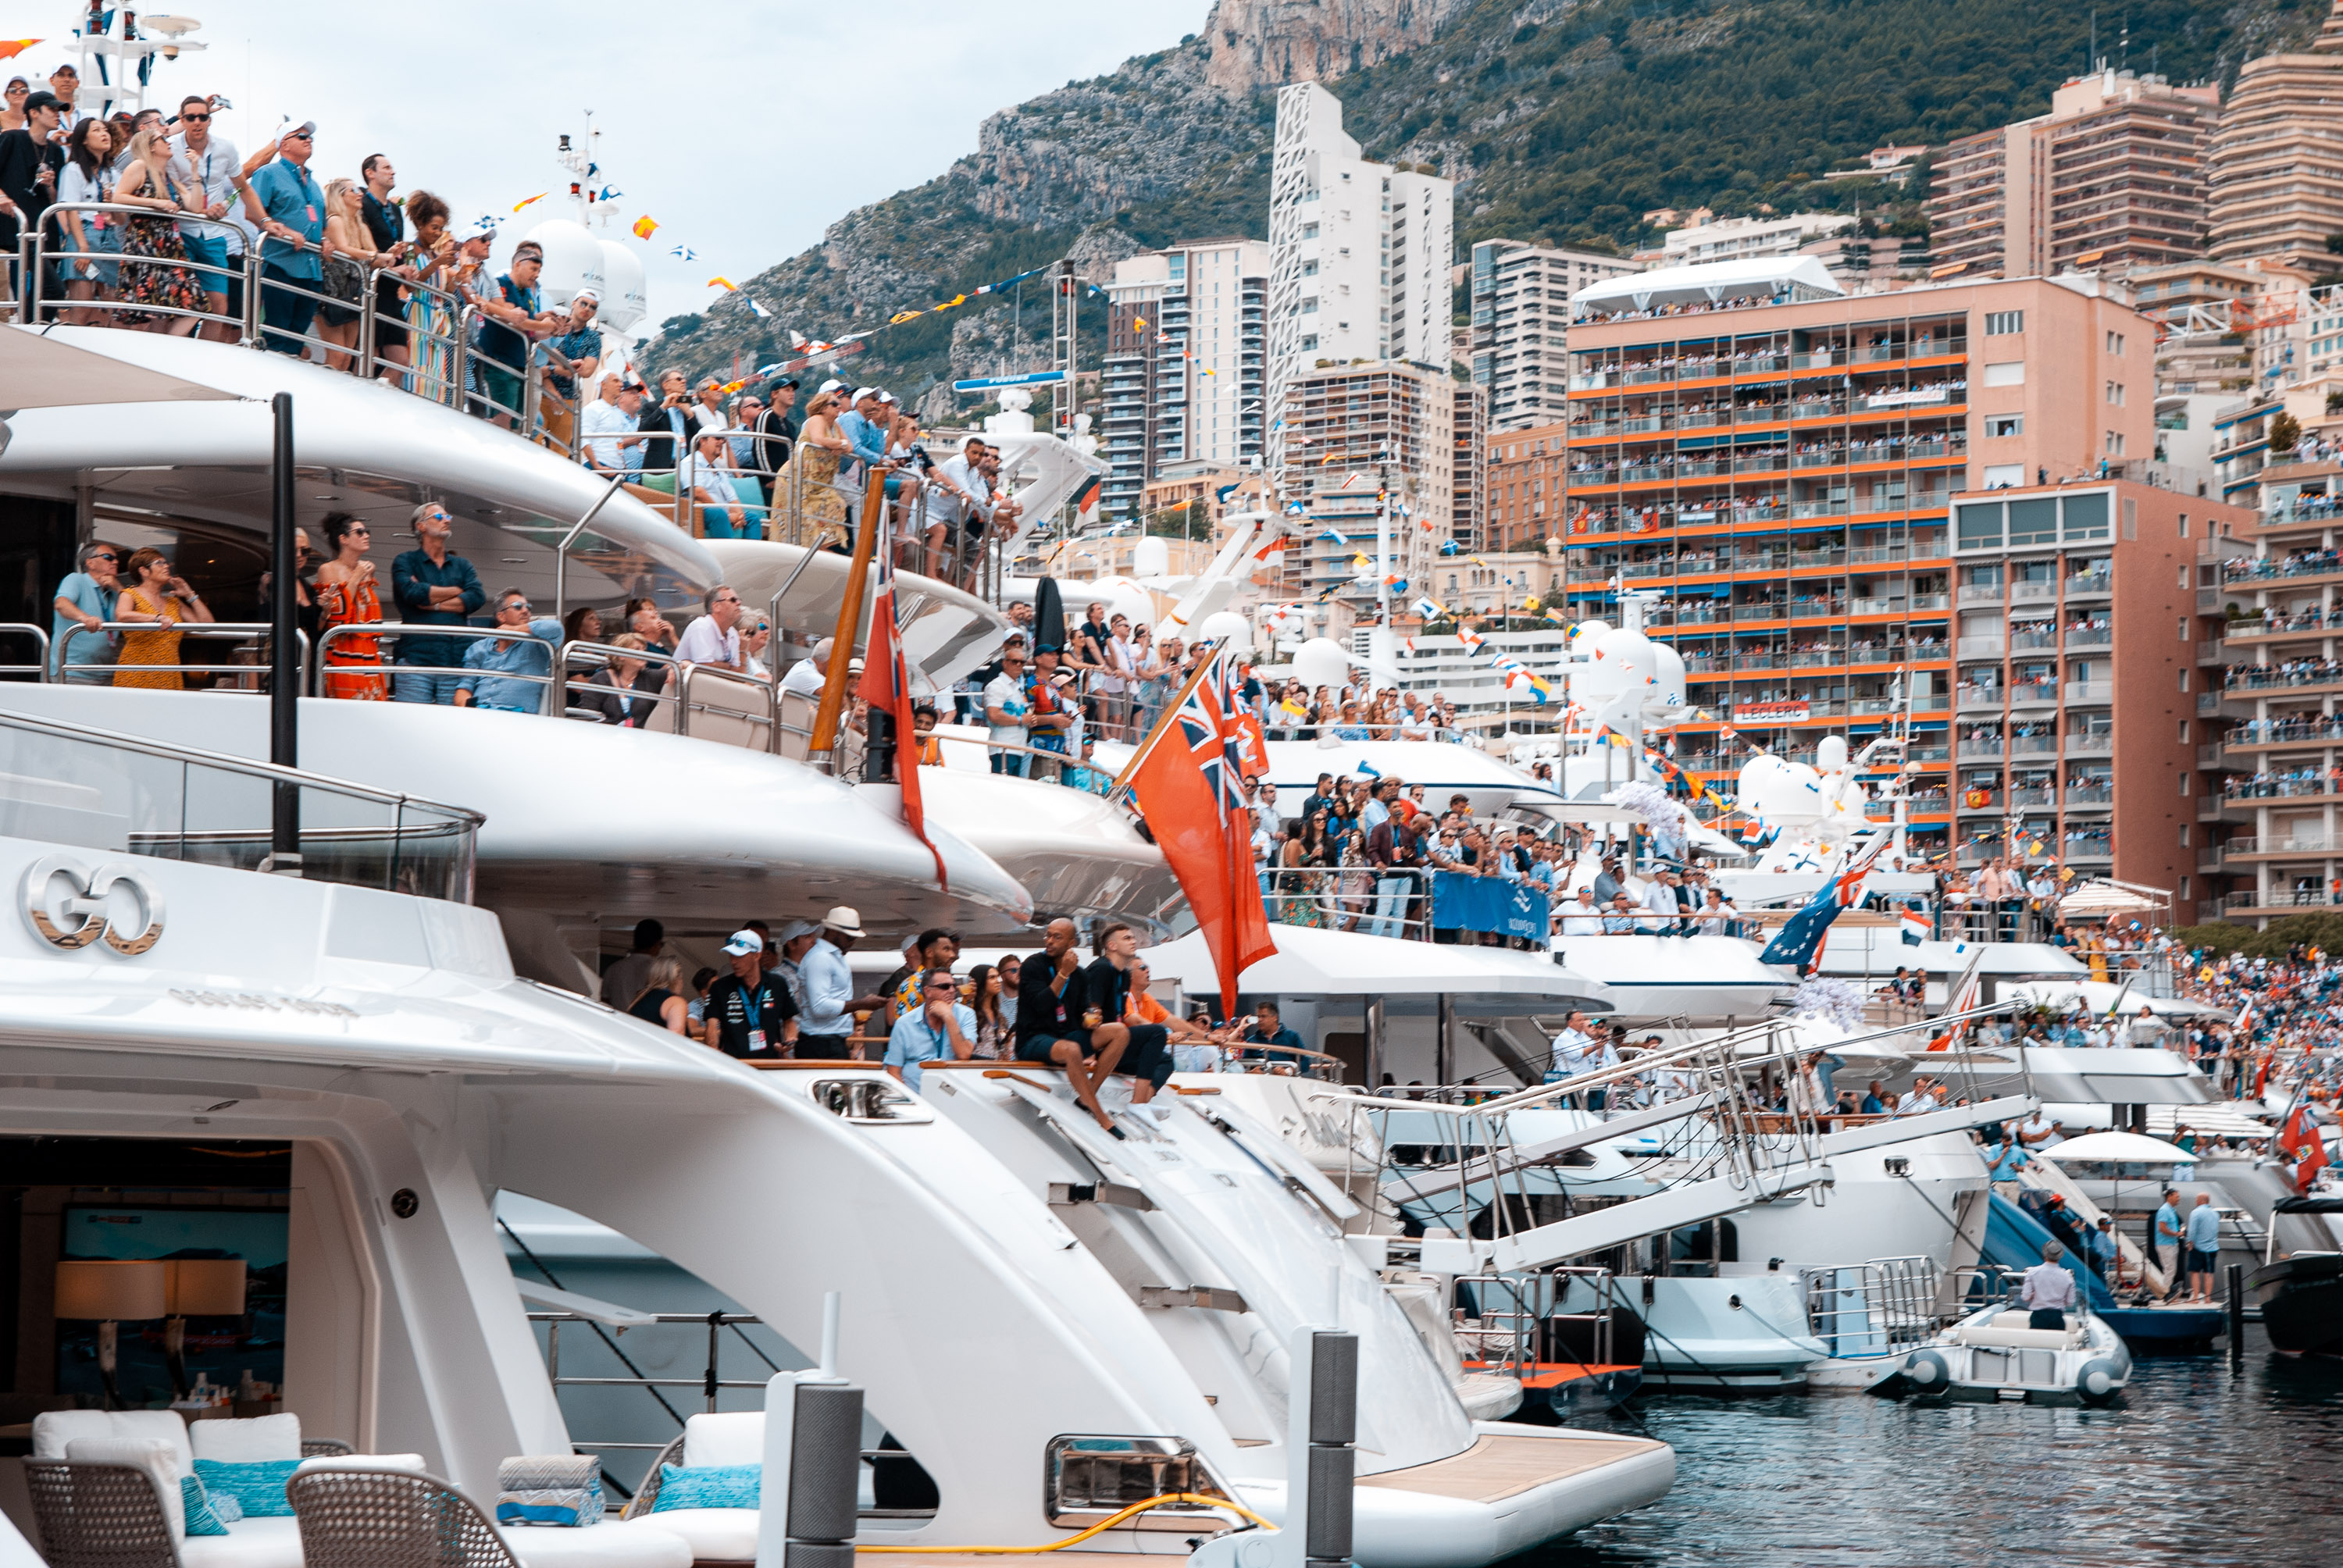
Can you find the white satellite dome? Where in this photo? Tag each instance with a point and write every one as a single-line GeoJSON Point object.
{"type": "Point", "coordinates": [573, 260]}
{"type": "Point", "coordinates": [1149, 556]}
{"type": "Point", "coordinates": [1227, 627]}
{"type": "Point", "coordinates": [1322, 662]}
{"type": "Point", "coordinates": [625, 298]}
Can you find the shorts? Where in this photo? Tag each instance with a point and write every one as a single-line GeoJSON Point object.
{"type": "Point", "coordinates": [2204, 1262]}
{"type": "Point", "coordinates": [1036, 1048]}
{"type": "Point", "coordinates": [1148, 1055]}
{"type": "Point", "coordinates": [503, 387]}
{"type": "Point", "coordinates": [211, 252]}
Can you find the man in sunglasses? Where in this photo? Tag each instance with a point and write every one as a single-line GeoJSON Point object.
{"type": "Point", "coordinates": [84, 603]}
{"type": "Point", "coordinates": [286, 202]}
{"type": "Point", "coordinates": [200, 158]}
{"type": "Point", "coordinates": [499, 667]}
{"type": "Point", "coordinates": [432, 587]}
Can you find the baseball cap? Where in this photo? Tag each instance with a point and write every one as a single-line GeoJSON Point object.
{"type": "Point", "coordinates": [43, 99]}
{"type": "Point", "coordinates": [789, 381]}
{"type": "Point", "coordinates": [863, 392]}
{"type": "Point", "coordinates": [66, 70]}
{"type": "Point", "coordinates": [743, 944]}
{"type": "Point", "coordinates": [832, 385]}
{"type": "Point", "coordinates": [306, 128]}
{"type": "Point", "coordinates": [884, 397]}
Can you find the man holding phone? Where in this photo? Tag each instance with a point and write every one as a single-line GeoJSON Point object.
{"type": "Point", "coordinates": [285, 203]}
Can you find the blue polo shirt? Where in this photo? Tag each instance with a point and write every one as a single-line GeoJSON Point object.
{"type": "Point", "coordinates": [869, 440]}
{"type": "Point", "coordinates": [495, 669]}
{"type": "Point", "coordinates": [290, 195]}
{"type": "Point", "coordinates": [2204, 1229]}
{"type": "Point", "coordinates": [501, 343]}
{"type": "Point", "coordinates": [914, 1040]}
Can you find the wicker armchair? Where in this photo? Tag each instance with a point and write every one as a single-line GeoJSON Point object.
{"type": "Point", "coordinates": [325, 1448]}
{"type": "Point", "coordinates": [99, 1515]}
{"type": "Point", "coordinates": [646, 1495]}
{"type": "Point", "coordinates": [390, 1519]}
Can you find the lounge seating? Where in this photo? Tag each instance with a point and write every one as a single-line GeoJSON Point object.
{"type": "Point", "coordinates": [715, 1534]}
{"type": "Point", "coordinates": [356, 1518]}
{"type": "Point", "coordinates": [2010, 1330]}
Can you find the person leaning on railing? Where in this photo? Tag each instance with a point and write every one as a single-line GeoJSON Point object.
{"type": "Point", "coordinates": [284, 202]}
{"type": "Point", "coordinates": [497, 668]}
{"type": "Point", "coordinates": [611, 691]}
{"type": "Point", "coordinates": [154, 594]}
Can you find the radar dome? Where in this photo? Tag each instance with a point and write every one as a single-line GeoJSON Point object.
{"type": "Point", "coordinates": [624, 300]}
{"type": "Point", "coordinates": [1320, 661]}
{"type": "Point", "coordinates": [1228, 627]}
{"type": "Point", "coordinates": [573, 260]}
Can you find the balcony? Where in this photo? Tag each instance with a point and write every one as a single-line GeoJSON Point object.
{"type": "Point", "coordinates": [2033, 693]}
{"type": "Point", "coordinates": [1978, 696]}
{"type": "Point", "coordinates": [2279, 900]}
{"type": "Point", "coordinates": [1876, 555]}
{"type": "Point", "coordinates": [2300, 844]}
{"type": "Point", "coordinates": [1980, 802]}
{"type": "Point", "coordinates": [2094, 691]}
{"type": "Point", "coordinates": [1922, 603]}
{"type": "Point", "coordinates": [1980, 593]}
{"type": "Point", "coordinates": [2029, 641]}
{"type": "Point", "coordinates": [2090, 585]}
{"type": "Point", "coordinates": [2023, 798]}
{"type": "Point", "coordinates": [1967, 748]}
{"type": "Point", "coordinates": [2090, 637]}
{"type": "Point", "coordinates": [2085, 796]}
{"type": "Point", "coordinates": [2033, 745]}
{"type": "Point", "coordinates": [2091, 743]}
{"type": "Point", "coordinates": [2037, 590]}
{"type": "Point", "coordinates": [1977, 647]}
{"type": "Point", "coordinates": [1875, 606]}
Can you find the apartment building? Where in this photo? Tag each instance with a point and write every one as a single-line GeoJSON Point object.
{"type": "Point", "coordinates": [1468, 473]}
{"type": "Point", "coordinates": [1521, 323]}
{"type": "Point", "coordinates": [2113, 176]}
{"type": "Point", "coordinates": [1185, 366]}
{"type": "Point", "coordinates": [2076, 684]}
{"type": "Point", "coordinates": [1524, 486]}
{"type": "Point", "coordinates": [1359, 438]}
{"type": "Point", "coordinates": [2270, 734]}
{"type": "Point", "coordinates": [2273, 166]}
{"type": "Point", "coordinates": [1786, 473]}
{"type": "Point", "coordinates": [1738, 239]}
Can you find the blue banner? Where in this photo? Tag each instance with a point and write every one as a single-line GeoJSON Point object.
{"type": "Point", "coordinates": [1465, 903]}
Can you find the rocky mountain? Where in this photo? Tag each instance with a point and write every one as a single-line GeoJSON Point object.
{"type": "Point", "coordinates": [1560, 119]}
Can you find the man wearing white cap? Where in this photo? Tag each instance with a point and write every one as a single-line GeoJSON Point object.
{"type": "Point", "coordinates": [828, 983]}
{"type": "Point", "coordinates": [750, 1015]}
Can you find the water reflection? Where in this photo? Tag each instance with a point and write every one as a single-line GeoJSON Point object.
{"type": "Point", "coordinates": [2198, 1464]}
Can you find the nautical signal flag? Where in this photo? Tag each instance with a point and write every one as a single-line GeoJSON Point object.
{"type": "Point", "coordinates": [537, 197]}
{"type": "Point", "coordinates": [1916, 928]}
{"type": "Point", "coordinates": [644, 225]}
{"type": "Point", "coordinates": [723, 283]}
{"type": "Point", "coordinates": [12, 47]}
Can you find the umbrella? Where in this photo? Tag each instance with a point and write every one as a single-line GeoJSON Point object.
{"type": "Point", "coordinates": [1409, 976]}
{"type": "Point", "coordinates": [2098, 900]}
{"type": "Point", "coordinates": [1049, 616]}
{"type": "Point", "coordinates": [2129, 1148]}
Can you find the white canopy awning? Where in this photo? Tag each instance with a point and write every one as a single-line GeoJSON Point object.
{"type": "Point", "coordinates": [40, 372]}
{"type": "Point", "coordinates": [1409, 976]}
{"type": "Point", "coordinates": [1708, 283]}
{"type": "Point", "coordinates": [2126, 1148]}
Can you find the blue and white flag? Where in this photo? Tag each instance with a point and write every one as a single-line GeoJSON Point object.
{"type": "Point", "coordinates": [1800, 942]}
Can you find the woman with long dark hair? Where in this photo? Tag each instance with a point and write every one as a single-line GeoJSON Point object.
{"type": "Point", "coordinates": [348, 595]}
{"type": "Point", "coordinates": [88, 177]}
{"type": "Point", "coordinates": [994, 1027]}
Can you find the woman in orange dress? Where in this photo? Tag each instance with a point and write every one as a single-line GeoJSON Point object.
{"type": "Point", "coordinates": [153, 594]}
{"type": "Point", "coordinates": [347, 596]}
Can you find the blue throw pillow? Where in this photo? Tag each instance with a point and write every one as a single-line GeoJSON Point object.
{"type": "Point", "coordinates": [201, 1519]}
{"type": "Point", "coordinates": [257, 1485]}
{"type": "Point", "coordinates": [707, 1486]}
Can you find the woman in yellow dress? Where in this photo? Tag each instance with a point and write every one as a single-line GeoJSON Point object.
{"type": "Point", "coordinates": [347, 596]}
{"type": "Point", "coordinates": [819, 446]}
{"type": "Point", "coordinates": [2095, 949]}
{"type": "Point", "coordinates": [155, 594]}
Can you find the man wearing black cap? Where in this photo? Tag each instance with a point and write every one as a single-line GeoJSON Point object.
{"type": "Point", "coordinates": [29, 164]}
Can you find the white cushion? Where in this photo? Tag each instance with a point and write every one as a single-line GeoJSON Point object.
{"type": "Point", "coordinates": [247, 1440]}
{"type": "Point", "coordinates": [717, 1534]}
{"type": "Point", "coordinates": [734, 1438]}
{"type": "Point", "coordinates": [53, 1429]}
{"type": "Point", "coordinates": [411, 1463]}
{"type": "Point", "coordinates": [155, 1459]}
{"type": "Point", "coordinates": [640, 1546]}
{"type": "Point", "coordinates": [271, 1543]}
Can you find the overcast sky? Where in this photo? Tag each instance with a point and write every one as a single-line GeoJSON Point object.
{"type": "Point", "coordinates": [745, 127]}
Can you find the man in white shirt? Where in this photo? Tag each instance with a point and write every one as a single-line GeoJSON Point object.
{"type": "Point", "coordinates": [199, 157]}
{"type": "Point", "coordinates": [963, 495]}
{"type": "Point", "coordinates": [1582, 918]}
{"type": "Point", "coordinates": [1660, 899]}
{"type": "Point", "coordinates": [2048, 1288]}
{"type": "Point", "coordinates": [609, 424]}
{"type": "Point", "coordinates": [1007, 714]}
{"type": "Point", "coordinates": [1412, 724]}
{"type": "Point", "coordinates": [712, 639]}
{"type": "Point", "coordinates": [805, 676]}
{"type": "Point", "coordinates": [1574, 1050]}
{"type": "Point", "coordinates": [706, 477]}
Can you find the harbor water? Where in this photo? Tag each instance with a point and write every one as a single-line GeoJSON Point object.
{"type": "Point", "coordinates": [2198, 1464]}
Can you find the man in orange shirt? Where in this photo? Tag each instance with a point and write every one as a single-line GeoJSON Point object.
{"type": "Point", "coordinates": [1142, 1008]}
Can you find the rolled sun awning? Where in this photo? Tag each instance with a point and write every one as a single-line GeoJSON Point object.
{"type": "Point", "coordinates": [40, 372]}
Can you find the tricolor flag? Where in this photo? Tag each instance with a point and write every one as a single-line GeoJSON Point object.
{"type": "Point", "coordinates": [1916, 928]}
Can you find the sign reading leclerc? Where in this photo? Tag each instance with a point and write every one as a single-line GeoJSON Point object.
{"type": "Point", "coordinates": [1770, 713]}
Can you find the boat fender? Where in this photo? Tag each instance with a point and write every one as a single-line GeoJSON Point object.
{"type": "Point", "coordinates": [1927, 1370]}
{"type": "Point", "coordinates": [2099, 1380]}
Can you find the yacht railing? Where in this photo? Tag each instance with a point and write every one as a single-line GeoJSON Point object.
{"type": "Point", "coordinates": [103, 790]}
{"type": "Point", "coordinates": [252, 677]}
{"type": "Point", "coordinates": [1876, 1308]}
{"type": "Point", "coordinates": [38, 671]}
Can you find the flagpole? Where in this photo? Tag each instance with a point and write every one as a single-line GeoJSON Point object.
{"type": "Point", "coordinates": [849, 617]}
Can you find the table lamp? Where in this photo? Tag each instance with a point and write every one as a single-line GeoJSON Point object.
{"type": "Point", "coordinates": [109, 1291]}
{"type": "Point", "coordinates": [196, 1288]}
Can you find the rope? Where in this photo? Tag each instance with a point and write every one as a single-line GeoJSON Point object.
{"type": "Point", "coordinates": [1109, 1523]}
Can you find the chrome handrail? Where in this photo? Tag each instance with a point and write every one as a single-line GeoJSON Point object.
{"type": "Point", "coordinates": [209, 631]}
{"type": "Point", "coordinates": [21, 627]}
{"type": "Point", "coordinates": [394, 629]}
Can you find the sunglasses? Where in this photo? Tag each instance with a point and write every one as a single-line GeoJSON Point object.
{"type": "Point", "coordinates": [367, 532]}
{"type": "Point", "coordinates": [103, 555]}
{"type": "Point", "coordinates": [185, 118]}
{"type": "Point", "coordinates": [520, 604]}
